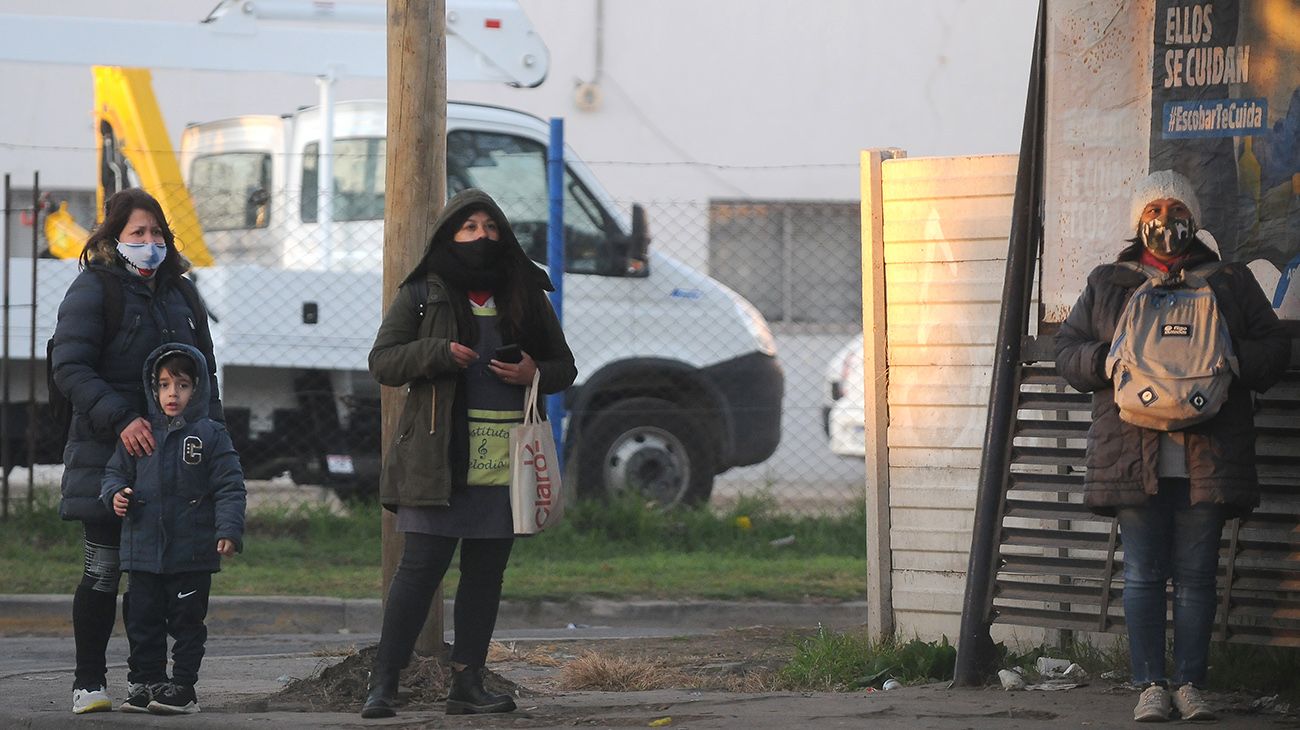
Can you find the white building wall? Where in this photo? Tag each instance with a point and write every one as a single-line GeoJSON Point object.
{"type": "Point", "coordinates": [726, 98]}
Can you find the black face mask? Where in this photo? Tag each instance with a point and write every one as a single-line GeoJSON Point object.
{"type": "Point", "coordinates": [479, 254]}
{"type": "Point", "coordinates": [478, 264]}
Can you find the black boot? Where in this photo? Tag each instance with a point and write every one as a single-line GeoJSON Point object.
{"type": "Point", "coordinates": [382, 699]}
{"type": "Point", "coordinates": [467, 696]}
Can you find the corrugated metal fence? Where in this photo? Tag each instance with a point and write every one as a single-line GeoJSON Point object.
{"type": "Point", "coordinates": [1061, 566]}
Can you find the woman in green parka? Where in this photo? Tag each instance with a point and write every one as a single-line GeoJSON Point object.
{"type": "Point", "coordinates": [447, 472]}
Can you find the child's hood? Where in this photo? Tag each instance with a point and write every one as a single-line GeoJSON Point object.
{"type": "Point", "coordinates": [198, 405]}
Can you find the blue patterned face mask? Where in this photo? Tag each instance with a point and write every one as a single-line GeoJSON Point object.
{"type": "Point", "coordinates": [142, 259]}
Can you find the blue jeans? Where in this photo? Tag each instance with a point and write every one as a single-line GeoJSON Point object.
{"type": "Point", "coordinates": [1169, 538]}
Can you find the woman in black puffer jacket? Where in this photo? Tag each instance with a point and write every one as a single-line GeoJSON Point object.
{"type": "Point", "coordinates": [134, 251]}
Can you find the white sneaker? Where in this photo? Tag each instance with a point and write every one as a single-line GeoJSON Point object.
{"type": "Point", "coordinates": [1153, 705]}
{"type": "Point", "coordinates": [91, 700]}
{"type": "Point", "coordinates": [1190, 704]}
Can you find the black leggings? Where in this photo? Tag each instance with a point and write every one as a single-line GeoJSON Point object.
{"type": "Point", "coordinates": [425, 559]}
{"type": "Point", "coordinates": [94, 605]}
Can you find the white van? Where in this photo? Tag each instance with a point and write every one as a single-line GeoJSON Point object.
{"type": "Point", "coordinates": [677, 375]}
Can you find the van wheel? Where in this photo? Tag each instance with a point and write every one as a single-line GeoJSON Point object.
{"type": "Point", "coordinates": [649, 446]}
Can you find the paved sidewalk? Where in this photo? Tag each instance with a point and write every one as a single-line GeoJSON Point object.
{"type": "Point", "coordinates": [236, 690]}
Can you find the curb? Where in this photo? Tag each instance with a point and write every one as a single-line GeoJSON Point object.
{"type": "Point", "coordinates": [50, 615]}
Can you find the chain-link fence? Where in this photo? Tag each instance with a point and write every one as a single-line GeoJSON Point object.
{"type": "Point", "coordinates": [721, 360]}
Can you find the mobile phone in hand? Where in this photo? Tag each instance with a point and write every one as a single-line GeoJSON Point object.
{"type": "Point", "coordinates": [508, 354]}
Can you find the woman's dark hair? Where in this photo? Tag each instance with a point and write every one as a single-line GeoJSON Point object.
{"type": "Point", "coordinates": [101, 247]}
{"type": "Point", "coordinates": [177, 363]}
{"type": "Point", "coordinates": [517, 304]}
{"type": "Point", "coordinates": [1133, 251]}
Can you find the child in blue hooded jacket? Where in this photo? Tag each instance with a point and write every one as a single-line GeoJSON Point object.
{"type": "Point", "coordinates": [183, 508]}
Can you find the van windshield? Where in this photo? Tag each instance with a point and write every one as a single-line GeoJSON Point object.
{"type": "Point", "coordinates": [230, 190]}
{"type": "Point", "coordinates": [512, 170]}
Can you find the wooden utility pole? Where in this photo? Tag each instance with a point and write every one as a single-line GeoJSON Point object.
{"type": "Point", "coordinates": [415, 183]}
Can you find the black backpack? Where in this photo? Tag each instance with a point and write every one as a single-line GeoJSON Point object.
{"type": "Point", "coordinates": [60, 407]}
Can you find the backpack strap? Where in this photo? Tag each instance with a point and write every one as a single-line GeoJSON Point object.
{"type": "Point", "coordinates": [1195, 277]}
{"type": "Point", "coordinates": [1149, 272]}
{"type": "Point", "coordinates": [1200, 276]}
{"type": "Point", "coordinates": [113, 308]}
{"type": "Point", "coordinates": [418, 290]}
{"type": "Point", "coordinates": [199, 311]}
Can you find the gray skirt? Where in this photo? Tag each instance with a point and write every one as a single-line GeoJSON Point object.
{"type": "Point", "coordinates": [473, 511]}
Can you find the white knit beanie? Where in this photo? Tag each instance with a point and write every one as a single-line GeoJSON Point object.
{"type": "Point", "coordinates": [1160, 185]}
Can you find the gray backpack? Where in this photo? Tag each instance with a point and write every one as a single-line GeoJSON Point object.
{"type": "Point", "coordinates": [1171, 359]}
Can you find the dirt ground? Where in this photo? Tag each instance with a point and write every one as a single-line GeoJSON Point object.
{"type": "Point", "coordinates": [545, 678]}
{"type": "Point", "coordinates": [743, 660]}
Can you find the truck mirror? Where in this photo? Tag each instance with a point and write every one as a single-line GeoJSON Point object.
{"type": "Point", "coordinates": [638, 259]}
{"type": "Point", "coordinates": [258, 197]}
{"type": "Point", "coordinates": [255, 208]}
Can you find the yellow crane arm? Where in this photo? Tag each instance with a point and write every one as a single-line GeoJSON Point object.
{"type": "Point", "coordinates": [65, 237]}
{"type": "Point", "coordinates": [129, 128]}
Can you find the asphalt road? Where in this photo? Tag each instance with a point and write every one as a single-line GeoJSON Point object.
{"type": "Point", "coordinates": [24, 655]}
{"type": "Point", "coordinates": [54, 655]}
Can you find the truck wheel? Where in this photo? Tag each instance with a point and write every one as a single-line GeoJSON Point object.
{"type": "Point", "coordinates": [647, 445]}
{"type": "Point", "coordinates": [355, 489]}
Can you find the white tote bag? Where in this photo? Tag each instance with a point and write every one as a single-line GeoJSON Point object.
{"type": "Point", "coordinates": [536, 498]}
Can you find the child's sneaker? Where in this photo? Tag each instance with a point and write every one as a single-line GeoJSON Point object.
{"type": "Point", "coordinates": [90, 699]}
{"type": "Point", "coordinates": [174, 699]}
{"type": "Point", "coordinates": [138, 696]}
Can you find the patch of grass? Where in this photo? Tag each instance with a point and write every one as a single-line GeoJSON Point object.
{"type": "Point", "coordinates": [664, 575]}
{"type": "Point", "coordinates": [628, 526]}
{"type": "Point", "coordinates": [832, 661]}
{"type": "Point", "coordinates": [616, 549]}
{"type": "Point", "coordinates": [1259, 670]}
{"type": "Point", "coordinates": [600, 673]}
{"type": "Point", "coordinates": [39, 553]}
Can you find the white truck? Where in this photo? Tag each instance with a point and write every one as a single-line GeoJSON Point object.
{"type": "Point", "coordinates": [677, 375]}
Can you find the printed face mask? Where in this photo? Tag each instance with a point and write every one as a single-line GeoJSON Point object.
{"type": "Point", "coordinates": [1172, 239]}
{"type": "Point", "coordinates": [142, 259]}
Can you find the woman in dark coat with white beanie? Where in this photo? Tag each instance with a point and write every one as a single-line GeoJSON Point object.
{"type": "Point", "coordinates": [1171, 490]}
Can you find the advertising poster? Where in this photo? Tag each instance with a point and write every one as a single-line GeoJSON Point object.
{"type": "Point", "coordinates": [1210, 89]}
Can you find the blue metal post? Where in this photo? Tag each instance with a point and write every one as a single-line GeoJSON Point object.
{"type": "Point", "coordinates": [555, 260]}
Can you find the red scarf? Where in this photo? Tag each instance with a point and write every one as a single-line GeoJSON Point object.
{"type": "Point", "coordinates": [1150, 260]}
{"type": "Point", "coordinates": [479, 296]}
